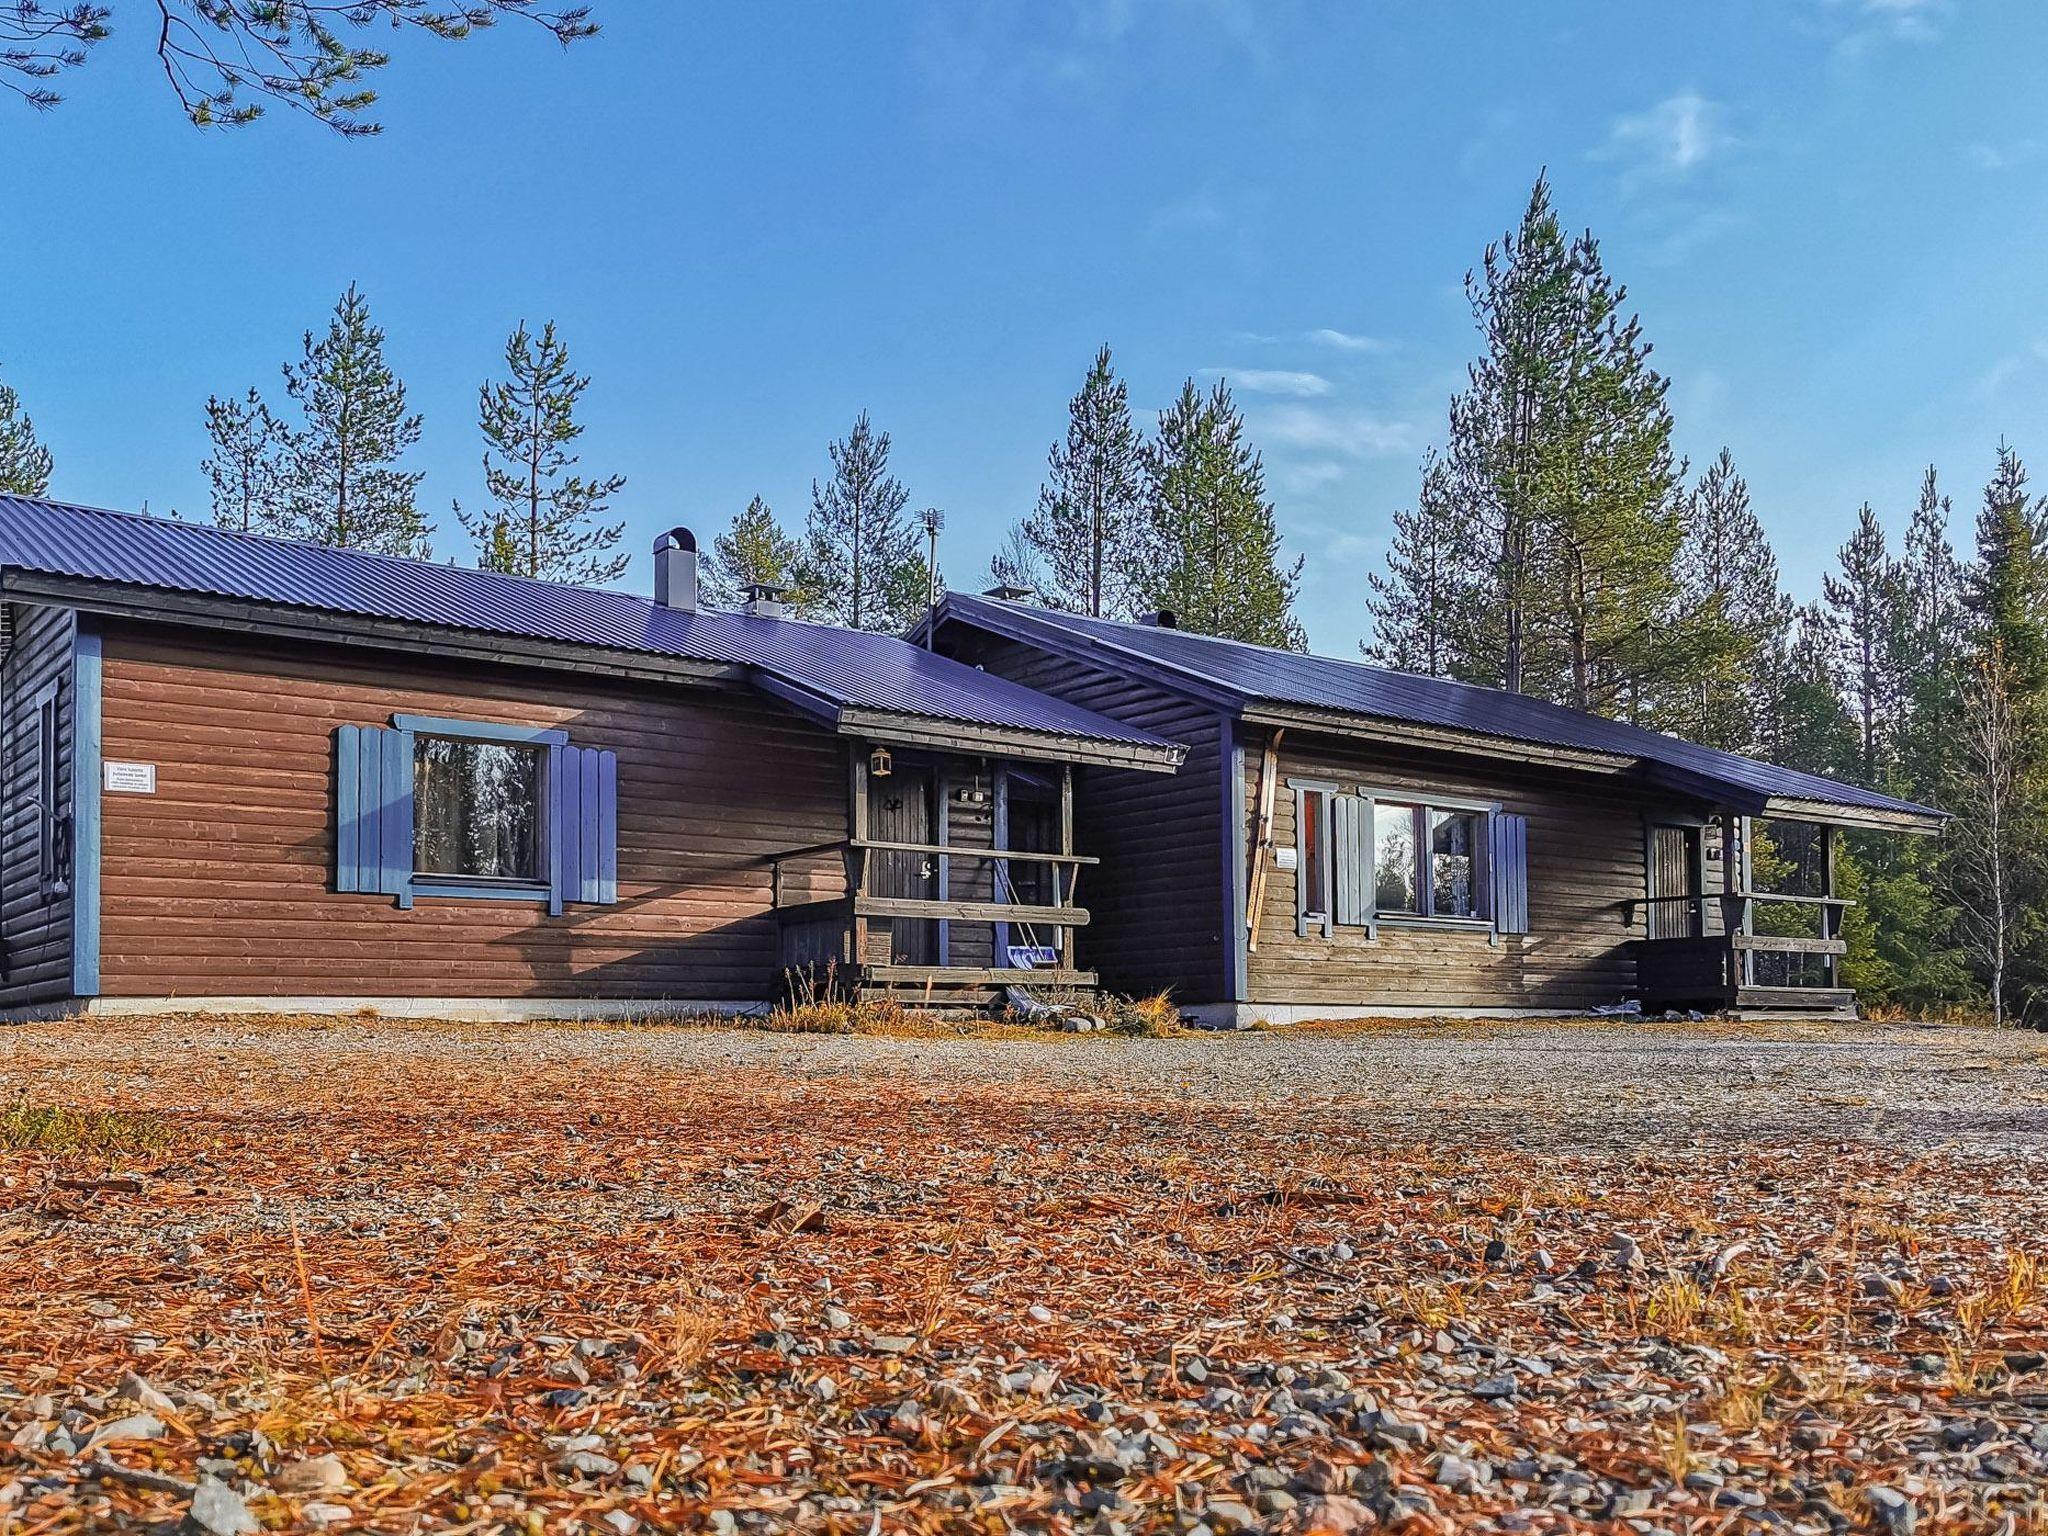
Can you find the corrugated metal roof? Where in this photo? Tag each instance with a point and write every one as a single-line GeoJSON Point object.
{"type": "Point", "coordinates": [1261, 674]}
{"type": "Point", "coordinates": [844, 668]}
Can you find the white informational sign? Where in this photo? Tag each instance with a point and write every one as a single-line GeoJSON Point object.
{"type": "Point", "coordinates": [131, 778]}
{"type": "Point", "coordinates": [1031, 957]}
{"type": "Point", "coordinates": [1285, 858]}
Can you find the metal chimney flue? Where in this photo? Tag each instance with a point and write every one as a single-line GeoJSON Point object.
{"type": "Point", "coordinates": [766, 600]}
{"type": "Point", "coordinates": [675, 570]}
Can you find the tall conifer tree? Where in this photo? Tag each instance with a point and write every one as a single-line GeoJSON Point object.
{"type": "Point", "coordinates": [753, 552]}
{"type": "Point", "coordinates": [1932, 648]}
{"type": "Point", "coordinates": [1422, 607]}
{"type": "Point", "coordinates": [345, 486]}
{"type": "Point", "coordinates": [1863, 611]}
{"type": "Point", "coordinates": [861, 559]}
{"type": "Point", "coordinates": [248, 474]}
{"type": "Point", "coordinates": [25, 463]}
{"type": "Point", "coordinates": [542, 517]}
{"type": "Point", "coordinates": [1728, 575]}
{"type": "Point", "coordinates": [1085, 527]}
{"type": "Point", "coordinates": [1610, 530]}
{"type": "Point", "coordinates": [1212, 546]}
{"type": "Point", "coordinates": [1504, 457]}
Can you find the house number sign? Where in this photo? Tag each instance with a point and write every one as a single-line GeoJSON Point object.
{"type": "Point", "coordinates": [131, 778]}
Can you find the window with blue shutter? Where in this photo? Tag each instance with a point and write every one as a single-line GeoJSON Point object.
{"type": "Point", "coordinates": [1351, 845]}
{"type": "Point", "coordinates": [468, 810]}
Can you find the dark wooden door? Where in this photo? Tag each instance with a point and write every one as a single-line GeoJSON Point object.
{"type": "Point", "coordinates": [900, 811]}
{"type": "Point", "coordinates": [1674, 871]}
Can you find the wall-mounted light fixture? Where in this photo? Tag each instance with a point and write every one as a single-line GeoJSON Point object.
{"type": "Point", "coordinates": [880, 764]}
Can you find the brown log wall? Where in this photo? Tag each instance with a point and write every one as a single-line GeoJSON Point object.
{"type": "Point", "coordinates": [222, 882]}
{"type": "Point", "coordinates": [1586, 862]}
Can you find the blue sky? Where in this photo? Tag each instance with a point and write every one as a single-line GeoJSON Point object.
{"type": "Point", "coordinates": [751, 221]}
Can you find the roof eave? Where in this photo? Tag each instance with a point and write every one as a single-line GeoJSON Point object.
{"type": "Point", "coordinates": [998, 741]}
{"type": "Point", "coordinates": [284, 621]}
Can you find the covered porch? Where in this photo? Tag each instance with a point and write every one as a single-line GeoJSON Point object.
{"type": "Point", "coordinates": [1744, 915]}
{"type": "Point", "coordinates": [958, 878]}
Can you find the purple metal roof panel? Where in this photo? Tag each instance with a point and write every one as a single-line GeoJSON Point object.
{"type": "Point", "coordinates": [1256, 673]}
{"type": "Point", "coordinates": [846, 669]}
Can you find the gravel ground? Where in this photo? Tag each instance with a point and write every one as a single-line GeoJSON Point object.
{"type": "Point", "coordinates": [1561, 1085]}
{"type": "Point", "coordinates": [1557, 1278]}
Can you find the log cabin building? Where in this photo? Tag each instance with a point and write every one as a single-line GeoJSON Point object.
{"type": "Point", "coordinates": [1344, 840]}
{"type": "Point", "coordinates": [240, 773]}
{"type": "Point", "coordinates": [243, 773]}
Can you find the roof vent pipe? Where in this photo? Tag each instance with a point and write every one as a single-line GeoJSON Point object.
{"type": "Point", "coordinates": [675, 570]}
{"type": "Point", "coordinates": [1165, 618]}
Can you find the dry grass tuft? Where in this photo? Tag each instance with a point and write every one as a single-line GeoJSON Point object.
{"type": "Point", "coordinates": [26, 1127]}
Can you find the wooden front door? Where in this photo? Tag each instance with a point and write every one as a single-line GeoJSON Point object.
{"type": "Point", "coordinates": [900, 811]}
{"type": "Point", "coordinates": [1674, 871]}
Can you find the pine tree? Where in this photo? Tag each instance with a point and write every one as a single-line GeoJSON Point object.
{"type": "Point", "coordinates": [225, 60]}
{"type": "Point", "coordinates": [1863, 610]}
{"type": "Point", "coordinates": [861, 558]}
{"type": "Point", "coordinates": [345, 487]}
{"type": "Point", "coordinates": [1610, 534]}
{"type": "Point", "coordinates": [1086, 524]}
{"type": "Point", "coordinates": [1808, 726]}
{"type": "Point", "coordinates": [754, 551]}
{"type": "Point", "coordinates": [2006, 590]}
{"type": "Point", "coordinates": [1728, 576]}
{"type": "Point", "coordinates": [1932, 646]}
{"type": "Point", "coordinates": [542, 517]}
{"type": "Point", "coordinates": [1504, 457]}
{"type": "Point", "coordinates": [1422, 607]}
{"type": "Point", "coordinates": [1560, 457]}
{"type": "Point", "coordinates": [249, 470]}
{"type": "Point", "coordinates": [1212, 547]}
{"type": "Point", "coordinates": [25, 464]}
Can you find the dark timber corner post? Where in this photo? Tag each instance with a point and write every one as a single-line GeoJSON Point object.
{"type": "Point", "coordinates": [1073, 871]}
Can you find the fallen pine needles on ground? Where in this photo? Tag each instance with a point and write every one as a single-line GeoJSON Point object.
{"type": "Point", "coordinates": [504, 1280]}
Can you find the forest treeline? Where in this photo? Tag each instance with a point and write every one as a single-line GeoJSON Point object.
{"type": "Point", "coordinates": [1558, 546]}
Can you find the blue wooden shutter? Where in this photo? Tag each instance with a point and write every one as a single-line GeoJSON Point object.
{"type": "Point", "coordinates": [1351, 853]}
{"type": "Point", "coordinates": [373, 810]}
{"type": "Point", "coordinates": [1508, 859]}
{"type": "Point", "coordinates": [583, 848]}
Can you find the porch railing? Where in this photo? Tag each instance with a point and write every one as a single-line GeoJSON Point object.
{"type": "Point", "coordinates": [833, 930]}
{"type": "Point", "coordinates": [1703, 966]}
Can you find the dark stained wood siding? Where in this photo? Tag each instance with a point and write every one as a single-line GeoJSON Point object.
{"type": "Point", "coordinates": [1158, 899]}
{"type": "Point", "coordinates": [35, 925]}
{"type": "Point", "coordinates": [221, 883]}
{"type": "Point", "coordinates": [1586, 862]}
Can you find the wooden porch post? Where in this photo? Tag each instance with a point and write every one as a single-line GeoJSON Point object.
{"type": "Point", "coordinates": [1066, 846]}
{"type": "Point", "coordinates": [1830, 915]}
{"type": "Point", "coordinates": [1734, 881]}
{"type": "Point", "coordinates": [856, 857]}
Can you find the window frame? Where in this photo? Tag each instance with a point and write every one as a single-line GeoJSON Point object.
{"type": "Point", "coordinates": [1306, 917]}
{"type": "Point", "coordinates": [1418, 803]}
{"type": "Point", "coordinates": [46, 771]}
{"type": "Point", "coordinates": [430, 886]}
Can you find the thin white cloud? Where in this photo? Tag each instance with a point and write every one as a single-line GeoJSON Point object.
{"type": "Point", "coordinates": [2003, 157]}
{"type": "Point", "coordinates": [1349, 434]}
{"type": "Point", "coordinates": [1670, 140]}
{"type": "Point", "coordinates": [1274, 381]}
{"type": "Point", "coordinates": [1348, 341]}
{"type": "Point", "coordinates": [1871, 22]}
